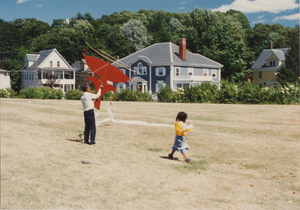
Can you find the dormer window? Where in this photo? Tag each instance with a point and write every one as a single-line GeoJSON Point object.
{"type": "Point", "coordinates": [51, 63]}
{"type": "Point", "coordinates": [273, 63]}
{"type": "Point", "coordinates": [58, 64]}
{"type": "Point", "coordinates": [140, 69]}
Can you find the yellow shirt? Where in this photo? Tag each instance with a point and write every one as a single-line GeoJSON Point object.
{"type": "Point", "coordinates": [180, 127]}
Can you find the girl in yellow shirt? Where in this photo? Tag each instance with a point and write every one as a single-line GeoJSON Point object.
{"type": "Point", "coordinates": [180, 129]}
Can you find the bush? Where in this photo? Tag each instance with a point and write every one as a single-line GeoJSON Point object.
{"type": "Point", "coordinates": [4, 93]}
{"type": "Point", "coordinates": [33, 93]}
{"type": "Point", "coordinates": [73, 94]}
{"type": "Point", "coordinates": [129, 95]}
{"type": "Point", "coordinates": [165, 94]}
{"type": "Point", "coordinates": [41, 93]}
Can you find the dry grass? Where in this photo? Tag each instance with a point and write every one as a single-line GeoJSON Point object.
{"type": "Point", "coordinates": [244, 157]}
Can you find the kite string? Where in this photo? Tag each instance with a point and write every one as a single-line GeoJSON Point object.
{"type": "Point", "coordinates": [109, 58]}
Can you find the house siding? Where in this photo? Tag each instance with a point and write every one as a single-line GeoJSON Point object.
{"type": "Point", "coordinates": [165, 79]}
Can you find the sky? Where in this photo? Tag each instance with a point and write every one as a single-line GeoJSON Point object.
{"type": "Point", "coordinates": [284, 12]}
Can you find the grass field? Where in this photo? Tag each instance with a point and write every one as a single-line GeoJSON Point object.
{"type": "Point", "coordinates": [244, 157]}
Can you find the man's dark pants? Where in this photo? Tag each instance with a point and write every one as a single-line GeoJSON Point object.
{"type": "Point", "coordinates": [90, 126]}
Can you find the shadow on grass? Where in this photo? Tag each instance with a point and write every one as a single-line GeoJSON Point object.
{"type": "Point", "coordinates": [166, 157]}
{"type": "Point", "coordinates": [77, 140]}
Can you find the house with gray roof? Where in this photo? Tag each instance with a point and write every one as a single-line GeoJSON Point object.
{"type": "Point", "coordinates": [39, 67]}
{"type": "Point", "coordinates": [266, 66]}
{"type": "Point", "coordinates": [164, 64]}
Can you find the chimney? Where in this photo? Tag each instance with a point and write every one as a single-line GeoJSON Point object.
{"type": "Point", "coordinates": [271, 45]}
{"type": "Point", "coordinates": [182, 48]}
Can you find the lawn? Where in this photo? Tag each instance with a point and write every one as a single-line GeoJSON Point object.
{"type": "Point", "coordinates": [244, 157]}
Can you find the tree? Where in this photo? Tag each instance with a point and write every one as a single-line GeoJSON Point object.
{"type": "Point", "coordinates": [290, 72]}
{"type": "Point", "coordinates": [136, 34]}
{"type": "Point", "coordinates": [219, 37]}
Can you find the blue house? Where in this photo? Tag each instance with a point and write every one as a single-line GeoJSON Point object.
{"type": "Point", "coordinates": [164, 64]}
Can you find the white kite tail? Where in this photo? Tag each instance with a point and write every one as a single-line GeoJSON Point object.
{"type": "Point", "coordinates": [132, 122]}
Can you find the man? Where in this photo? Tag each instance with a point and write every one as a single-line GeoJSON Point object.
{"type": "Point", "coordinates": [87, 100]}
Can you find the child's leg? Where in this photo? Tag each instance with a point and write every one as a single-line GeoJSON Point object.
{"type": "Point", "coordinates": [186, 159]}
{"type": "Point", "coordinates": [171, 154]}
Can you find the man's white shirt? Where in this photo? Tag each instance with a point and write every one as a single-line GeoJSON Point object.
{"type": "Point", "coordinates": [87, 100]}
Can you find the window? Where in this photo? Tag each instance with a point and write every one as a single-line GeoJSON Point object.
{"type": "Point", "coordinates": [58, 74]}
{"type": "Point", "coordinates": [123, 70]}
{"type": "Point", "coordinates": [177, 70]}
{"type": "Point", "coordinates": [205, 72]}
{"type": "Point", "coordinates": [51, 63]}
{"type": "Point", "coordinates": [159, 85]}
{"type": "Point", "coordinates": [68, 75]}
{"type": "Point", "coordinates": [160, 71]}
{"type": "Point", "coordinates": [260, 74]}
{"type": "Point", "coordinates": [58, 64]}
{"type": "Point", "coordinates": [140, 69]}
{"type": "Point", "coordinates": [190, 70]}
{"type": "Point", "coordinates": [272, 63]}
{"type": "Point", "coordinates": [214, 73]}
{"type": "Point", "coordinates": [182, 85]}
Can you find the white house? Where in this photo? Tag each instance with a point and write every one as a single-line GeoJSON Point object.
{"type": "Point", "coordinates": [164, 64]}
{"type": "Point", "coordinates": [49, 62]}
{"type": "Point", "coordinates": [4, 79]}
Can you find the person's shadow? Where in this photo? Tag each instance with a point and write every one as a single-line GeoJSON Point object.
{"type": "Point", "coordinates": [77, 140]}
{"type": "Point", "coordinates": [166, 157]}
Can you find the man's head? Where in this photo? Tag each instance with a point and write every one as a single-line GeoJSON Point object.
{"type": "Point", "coordinates": [85, 87]}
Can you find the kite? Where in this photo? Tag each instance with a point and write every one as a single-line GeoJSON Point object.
{"type": "Point", "coordinates": [104, 72]}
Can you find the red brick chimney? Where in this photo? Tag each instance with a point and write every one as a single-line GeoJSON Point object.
{"type": "Point", "coordinates": [271, 45]}
{"type": "Point", "coordinates": [182, 48]}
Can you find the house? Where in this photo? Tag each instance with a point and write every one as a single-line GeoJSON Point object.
{"type": "Point", "coordinates": [82, 72]}
{"type": "Point", "coordinates": [164, 64]}
{"type": "Point", "coordinates": [39, 67]}
{"type": "Point", "coordinates": [4, 79]}
{"type": "Point", "coordinates": [266, 66]}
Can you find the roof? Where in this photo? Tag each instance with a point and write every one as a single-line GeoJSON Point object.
{"type": "Point", "coordinates": [77, 66]}
{"type": "Point", "coordinates": [263, 57]}
{"type": "Point", "coordinates": [168, 54]}
{"type": "Point", "coordinates": [41, 56]}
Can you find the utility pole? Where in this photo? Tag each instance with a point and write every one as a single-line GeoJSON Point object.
{"type": "Point", "coordinates": [35, 69]}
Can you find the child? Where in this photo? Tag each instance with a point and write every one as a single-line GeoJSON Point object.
{"type": "Point", "coordinates": [180, 144]}
{"type": "Point", "coordinates": [87, 100]}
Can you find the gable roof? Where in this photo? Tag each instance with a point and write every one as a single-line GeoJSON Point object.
{"type": "Point", "coordinates": [168, 54]}
{"type": "Point", "coordinates": [264, 56]}
{"type": "Point", "coordinates": [41, 57]}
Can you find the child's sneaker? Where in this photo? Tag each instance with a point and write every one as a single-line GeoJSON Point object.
{"type": "Point", "coordinates": [188, 160]}
{"type": "Point", "coordinates": [170, 156]}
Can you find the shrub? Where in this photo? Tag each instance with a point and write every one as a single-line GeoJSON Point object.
{"type": "Point", "coordinates": [73, 94]}
{"type": "Point", "coordinates": [165, 94]}
{"type": "Point", "coordinates": [33, 93]}
{"type": "Point", "coordinates": [228, 93]}
{"type": "Point", "coordinates": [129, 95]}
{"type": "Point", "coordinates": [108, 96]}
{"type": "Point", "coordinates": [4, 93]}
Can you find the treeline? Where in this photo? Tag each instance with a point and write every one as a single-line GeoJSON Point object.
{"type": "Point", "coordinates": [224, 37]}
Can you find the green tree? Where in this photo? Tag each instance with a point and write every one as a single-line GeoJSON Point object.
{"type": "Point", "coordinates": [136, 34]}
{"type": "Point", "coordinates": [290, 72]}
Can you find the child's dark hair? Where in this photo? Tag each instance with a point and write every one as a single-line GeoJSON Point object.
{"type": "Point", "coordinates": [85, 87]}
{"type": "Point", "coordinates": [182, 116]}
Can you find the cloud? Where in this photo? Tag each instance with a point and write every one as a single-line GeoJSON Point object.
{"type": "Point", "coordinates": [21, 1]}
{"type": "Point", "coordinates": [181, 8]}
{"type": "Point", "coordinates": [260, 17]}
{"type": "Point", "coordinates": [39, 5]}
{"type": "Point", "coordinates": [184, 2]}
{"type": "Point", "coordinates": [259, 21]}
{"type": "Point", "coordinates": [253, 6]}
{"type": "Point", "coordinates": [287, 17]}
